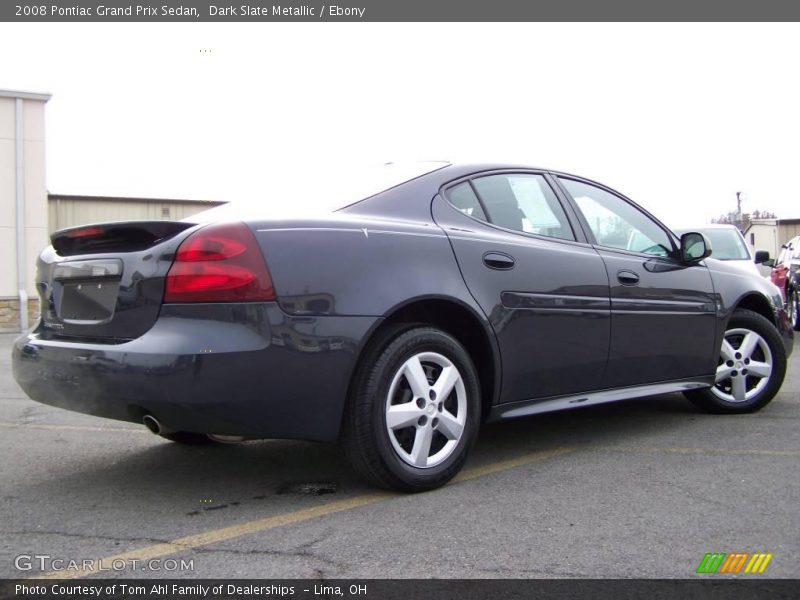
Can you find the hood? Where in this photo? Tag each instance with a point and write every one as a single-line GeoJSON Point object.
{"type": "Point", "coordinates": [742, 267]}
{"type": "Point", "coordinates": [745, 275]}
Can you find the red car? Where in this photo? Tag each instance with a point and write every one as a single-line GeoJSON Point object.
{"type": "Point", "coordinates": [786, 275]}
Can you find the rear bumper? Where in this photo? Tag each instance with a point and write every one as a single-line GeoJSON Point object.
{"type": "Point", "coordinates": [235, 369]}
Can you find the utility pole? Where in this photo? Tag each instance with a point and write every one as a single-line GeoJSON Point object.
{"type": "Point", "coordinates": [739, 222]}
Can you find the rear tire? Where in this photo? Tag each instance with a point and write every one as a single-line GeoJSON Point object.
{"type": "Point", "coordinates": [793, 307]}
{"type": "Point", "coordinates": [414, 409]}
{"type": "Point", "coordinates": [750, 370]}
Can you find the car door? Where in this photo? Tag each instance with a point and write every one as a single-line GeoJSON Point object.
{"type": "Point", "coordinates": [663, 314]}
{"type": "Point", "coordinates": [544, 288]}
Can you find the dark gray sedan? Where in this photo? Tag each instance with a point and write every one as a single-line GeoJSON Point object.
{"type": "Point", "coordinates": [399, 322]}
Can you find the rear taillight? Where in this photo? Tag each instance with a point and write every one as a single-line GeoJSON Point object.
{"type": "Point", "coordinates": [219, 263]}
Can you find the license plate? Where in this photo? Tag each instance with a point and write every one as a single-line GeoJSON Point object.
{"type": "Point", "coordinates": [88, 301]}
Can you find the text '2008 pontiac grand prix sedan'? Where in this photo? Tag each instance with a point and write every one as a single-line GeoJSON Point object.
{"type": "Point", "coordinates": [399, 322]}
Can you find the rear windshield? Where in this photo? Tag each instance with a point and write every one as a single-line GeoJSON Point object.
{"type": "Point", "coordinates": [311, 191]}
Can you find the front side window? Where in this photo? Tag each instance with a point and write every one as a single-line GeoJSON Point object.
{"type": "Point", "coordinates": [523, 203]}
{"type": "Point", "coordinates": [617, 224]}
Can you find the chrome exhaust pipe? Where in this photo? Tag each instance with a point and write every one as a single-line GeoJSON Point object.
{"type": "Point", "coordinates": [152, 424]}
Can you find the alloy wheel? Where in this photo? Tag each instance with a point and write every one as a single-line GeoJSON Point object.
{"type": "Point", "coordinates": [426, 410]}
{"type": "Point", "coordinates": [793, 308]}
{"type": "Point", "coordinates": [745, 366]}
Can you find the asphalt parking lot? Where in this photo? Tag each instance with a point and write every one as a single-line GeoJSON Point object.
{"type": "Point", "coordinates": [635, 489]}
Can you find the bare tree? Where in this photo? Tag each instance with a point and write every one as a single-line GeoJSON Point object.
{"type": "Point", "coordinates": [732, 218]}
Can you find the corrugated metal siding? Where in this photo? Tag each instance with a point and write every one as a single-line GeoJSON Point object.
{"type": "Point", "coordinates": [788, 231]}
{"type": "Point", "coordinates": [71, 212]}
{"type": "Point", "coordinates": [771, 237]}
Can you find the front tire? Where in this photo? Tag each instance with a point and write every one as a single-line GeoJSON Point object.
{"type": "Point", "coordinates": [750, 369]}
{"type": "Point", "coordinates": [414, 410]}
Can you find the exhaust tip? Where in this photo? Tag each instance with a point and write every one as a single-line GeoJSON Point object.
{"type": "Point", "coordinates": [152, 424]}
{"type": "Point", "coordinates": [225, 439]}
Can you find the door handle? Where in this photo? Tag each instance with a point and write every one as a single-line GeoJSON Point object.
{"type": "Point", "coordinates": [627, 278]}
{"type": "Point", "coordinates": [498, 260]}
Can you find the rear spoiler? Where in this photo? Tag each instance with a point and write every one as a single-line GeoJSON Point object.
{"type": "Point", "coordinates": [125, 236]}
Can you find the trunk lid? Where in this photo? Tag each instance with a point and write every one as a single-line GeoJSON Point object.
{"type": "Point", "coordinates": [106, 282]}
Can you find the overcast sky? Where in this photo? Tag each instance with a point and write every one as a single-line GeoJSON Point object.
{"type": "Point", "coordinates": [679, 117]}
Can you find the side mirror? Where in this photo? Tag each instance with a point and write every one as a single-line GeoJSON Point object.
{"type": "Point", "coordinates": [694, 248]}
{"type": "Point", "coordinates": [770, 262]}
{"type": "Point", "coordinates": [762, 256]}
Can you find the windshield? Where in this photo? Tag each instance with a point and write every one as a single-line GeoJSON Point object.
{"type": "Point", "coordinates": [315, 191]}
{"type": "Point", "coordinates": [726, 244]}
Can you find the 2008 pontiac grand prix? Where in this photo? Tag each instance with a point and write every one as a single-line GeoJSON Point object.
{"type": "Point", "coordinates": [399, 322]}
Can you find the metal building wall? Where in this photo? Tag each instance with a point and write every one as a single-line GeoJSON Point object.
{"type": "Point", "coordinates": [788, 231]}
{"type": "Point", "coordinates": [771, 234]}
{"type": "Point", "coordinates": [71, 211]}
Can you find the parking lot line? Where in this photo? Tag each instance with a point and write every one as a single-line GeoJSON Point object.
{"type": "Point", "coordinates": [226, 533]}
{"type": "Point", "coordinates": [511, 463]}
{"type": "Point", "coordinates": [220, 535]}
{"type": "Point", "coordinates": [69, 427]}
{"type": "Point", "coordinates": [679, 450]}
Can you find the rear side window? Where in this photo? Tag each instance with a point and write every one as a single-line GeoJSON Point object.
{"type": "Point", "coordinates": [465, 200]}
{"type": "Point", "coordinates": [523, 203]}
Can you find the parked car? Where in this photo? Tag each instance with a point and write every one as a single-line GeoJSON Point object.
{"type": "Point", "coordinates": [453, 295]}
{"type": "Point", "coordinates": [729, 245]}
{"type": "Point", "coordinates": [786, 275]}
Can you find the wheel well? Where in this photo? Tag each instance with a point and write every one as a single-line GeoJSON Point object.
{"type": "Point", "coordinates": [463, 325]}
{"type": "Point", "coordinates": [758, 304]}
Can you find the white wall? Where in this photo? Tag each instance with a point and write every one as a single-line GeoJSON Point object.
{"type": "Point", "coordinates": [765, 238]}
{"type": "Point", "coordinates": [8, 239]}
{"type": "Point", "coordinates": [34, 198]}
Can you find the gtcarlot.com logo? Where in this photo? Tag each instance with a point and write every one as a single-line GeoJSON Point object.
{"type": "Point", "coordinates": [734, 562]}
{"type": "Point", "coordinates": [46, 562]}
